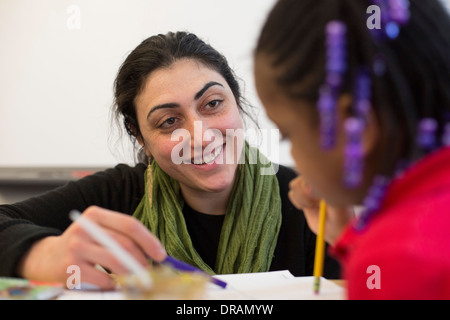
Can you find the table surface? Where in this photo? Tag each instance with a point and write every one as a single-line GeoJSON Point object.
{"type": "Point", "coordinates": [278, 285]}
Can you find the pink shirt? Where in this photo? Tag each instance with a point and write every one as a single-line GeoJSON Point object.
{"type": "Point", "coordinates": [404, 252]}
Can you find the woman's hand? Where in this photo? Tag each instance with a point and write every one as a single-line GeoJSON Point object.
{"type": "Point", "coordinates": [301, 196]}
{"type": "Point", "coordinates": [49, 258]}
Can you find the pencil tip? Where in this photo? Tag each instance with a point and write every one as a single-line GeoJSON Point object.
{"type": "Point", "coordinates": [316, 285]}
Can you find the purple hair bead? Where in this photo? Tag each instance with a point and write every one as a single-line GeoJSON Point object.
{"type": "Point", "coordinates": [446, 135]}
{"type": "Point", "coordinates": [335, 68]}
{"type": "Point", "coordinates": [336, 47]}
{"type": "Point", "coordinates": [327, 113]}
{"type": "Point", "coordinates": [354, 128]}
{"type": "Point", "coordinates": [426, 137]}
{"type": "Point", "coordinates": [372, 202]}
{"type": "Point", "coordinates": [353, 158]}
{"type": "Point", "coordinates": [399, 11]}
{"type": "Point", "coordinates": [394, 14]}
{"type": "Point", "coordinates": [379, 65]}
{"type": "Point", "coordinates": [363, 94]}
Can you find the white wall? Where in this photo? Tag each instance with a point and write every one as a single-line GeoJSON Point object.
{"type": "Point", "coordinates": [446, 4]}
{"type": "Point", "coordinates": [59, 58]}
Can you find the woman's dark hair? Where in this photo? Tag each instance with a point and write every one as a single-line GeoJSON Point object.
{"type": "Point", "coordinates": [416, 81]}
{"type": "Point", "coordinates": [157, 52]}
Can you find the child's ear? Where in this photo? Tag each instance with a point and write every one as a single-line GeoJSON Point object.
{"type": "Point", "coordinates": [371, 131]}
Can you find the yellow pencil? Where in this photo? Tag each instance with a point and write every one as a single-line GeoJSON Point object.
{"type": "Point", "coordinates": [320, 246]}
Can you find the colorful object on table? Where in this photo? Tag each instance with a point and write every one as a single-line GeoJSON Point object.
{"type": "Point", "coordinates": [182, 266]}
{"type": "Point", "coordinates": [168, 284]}
{"type": "Point", "coordinates": [22, 289]}
{"type": "Point", "coordinates": [320, 247]}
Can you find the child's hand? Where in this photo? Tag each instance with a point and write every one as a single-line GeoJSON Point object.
{"type": "Point", "coordinates": [301, 196]}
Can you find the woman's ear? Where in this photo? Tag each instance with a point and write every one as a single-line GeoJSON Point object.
{"type": "Point", "coordinates": [144, 147]}
{"type": "Point", "coordinates": [140, 140]}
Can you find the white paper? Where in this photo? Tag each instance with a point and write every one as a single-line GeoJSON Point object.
{"type": "Point", "coordinates": [275, 285]}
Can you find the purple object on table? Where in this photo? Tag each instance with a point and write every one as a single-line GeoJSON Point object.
{"type": "Point", "coordinates": [183, 266]}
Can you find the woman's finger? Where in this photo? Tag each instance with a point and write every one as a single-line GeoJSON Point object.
{"type": "Point", "coordinates": [89, 274]}
{"type": "Point", "coordinates": [95, 253]}
{"type": "Point", "coordinates": [129, 227]}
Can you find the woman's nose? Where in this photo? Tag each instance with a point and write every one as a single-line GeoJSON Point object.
{"type": "Point", "coordinates": [202, 134]}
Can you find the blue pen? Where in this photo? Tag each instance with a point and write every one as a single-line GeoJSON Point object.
{"type": "Point", "coordinates": [182, 266]}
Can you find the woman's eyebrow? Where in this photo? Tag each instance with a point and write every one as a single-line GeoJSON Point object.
{"type": "Point", "coordinates": [170, 105]}
{"type": "Point", "coordinates": [206, 87]}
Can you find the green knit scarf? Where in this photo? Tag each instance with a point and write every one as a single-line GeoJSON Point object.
{"type": "Point", "coordinates": [250, 228]}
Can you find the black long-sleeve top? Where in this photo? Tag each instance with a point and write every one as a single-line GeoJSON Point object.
{"type": "Point", "coordinates": [121, 189]}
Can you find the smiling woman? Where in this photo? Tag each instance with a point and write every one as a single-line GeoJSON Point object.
{"type": "Point", "coordinates": [218, 215]}
{"type": "Point", "coordinates": [189, 85]}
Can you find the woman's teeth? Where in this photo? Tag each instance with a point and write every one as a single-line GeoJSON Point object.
{"type": "Point", "coordinates": [209, 158]}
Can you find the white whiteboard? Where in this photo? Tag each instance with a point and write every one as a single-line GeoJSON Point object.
{"type": "Point", "coordinates": [59, 58]}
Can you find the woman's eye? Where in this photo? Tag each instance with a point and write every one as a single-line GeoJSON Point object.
{"type": "Point", "coordinates": [214, 103]}
{"type": "Point", "coordinates": [168, 122]}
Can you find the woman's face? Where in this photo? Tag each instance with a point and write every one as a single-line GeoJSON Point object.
{"type": "Point", "coordinates": [298, 122]}
{"type": "Point", "coordinates": [184, 112]}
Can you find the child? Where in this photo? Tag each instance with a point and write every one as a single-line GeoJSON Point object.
{"type": "Point", "coordinates": [362, 90]}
